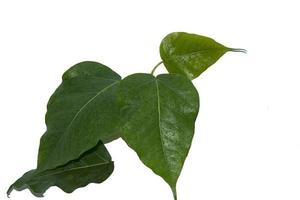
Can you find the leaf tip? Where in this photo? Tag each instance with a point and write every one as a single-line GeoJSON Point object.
{"type": "Point", "coordinates": [10, 189]}
{"type": "Point", "coordinates": [174, 192]}
{"type": "Point", "coordinates": [238, 50]}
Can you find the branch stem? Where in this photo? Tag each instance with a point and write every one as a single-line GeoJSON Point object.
{"type": "Point", "coordinates": [156, 67]}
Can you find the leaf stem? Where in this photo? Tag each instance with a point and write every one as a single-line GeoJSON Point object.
{"type": "Point", "coordinates": [156, 67]}
{"type": "Point", "coordinates": [238, 50]}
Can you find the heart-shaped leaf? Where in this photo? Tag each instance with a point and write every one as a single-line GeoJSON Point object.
{"type": "Point", "coordinates": [158, 117]}
{"type": "Point", "coordinates": [94, 166]}
{"type": "Point", "coordinates": [82, 111]}
{"type": "Point", "coordinates": [190, 54]}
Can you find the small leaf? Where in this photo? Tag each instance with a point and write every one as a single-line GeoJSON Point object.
{"type": "Point", "coordinates": [191, 54]}
{"type": "Point", "coordinates": [158, 117]}
{"type": "Point", "coordinates": [81, 112]}
{"type": "Point", "coordinates": [94, 166]}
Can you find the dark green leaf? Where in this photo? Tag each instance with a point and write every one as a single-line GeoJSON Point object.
{"type": "Point", "coordinates": [94, 166]}
{"type": "Point", "coordinates": [190, 54]}
{"type": "Point", "coordinates": [158, 118]}
{"type": "Point", "coordinates": [82, 111]}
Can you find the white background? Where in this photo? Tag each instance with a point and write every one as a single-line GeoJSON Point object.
{"type": "Point", "coordinates": [247, 138]}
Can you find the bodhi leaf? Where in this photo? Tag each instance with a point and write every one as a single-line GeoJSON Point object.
{"type": "Point", "coordinates": [94, 166]}
{"type": "Point", "coordinates": [191, 54]}
{"type": "Point", "coordinates": [82, 111]}
{"type": "Point", "coordinates": [158, 117]}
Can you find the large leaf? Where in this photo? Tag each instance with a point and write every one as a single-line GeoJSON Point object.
{"type": "Point", "coordinates": [94, 166]}
{"type": "Point", "coordinates": [190, 54]}
{"type": "Point", "coordinates": [158, 118]}
{"type": "Point", "coordinates": [82, 111]}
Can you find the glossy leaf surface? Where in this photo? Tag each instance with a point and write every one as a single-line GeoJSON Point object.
{"type": "Point", "coordinates": [94, 166]}
{"type": "Point", "coordinates": [158, 117]}
{"type": "Point", "coordinates": [190, 54]}
{"type": "Point", "coordinates": [82, 111]}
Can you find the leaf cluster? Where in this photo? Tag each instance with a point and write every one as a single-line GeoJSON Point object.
{"type": "Point", "coordinates": [154, 115]}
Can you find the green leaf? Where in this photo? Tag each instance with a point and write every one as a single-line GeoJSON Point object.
{"type": "Point", "coordinates": [158, 117]}
{"type": "Point", "coordinates": [94, 166]}
{"type": "Point", "coordinates": [81, 112]}
{"type": "Point", "coordinates": [191, 54]}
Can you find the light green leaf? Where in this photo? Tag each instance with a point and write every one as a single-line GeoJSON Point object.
{"type": "Point", "coordinates": [191, 54]}
{"type": "Point", "coordinates": [158, 117]}
{"type": "Point", "coordinates": [94, 166]}
{"type": "Point", "coordinates": [81, 112]}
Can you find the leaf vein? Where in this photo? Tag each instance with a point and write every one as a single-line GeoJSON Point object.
{"type": "Point", "coordinates": [75, 168]}
{"type": "Point", "coordinates": [159, 124]}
